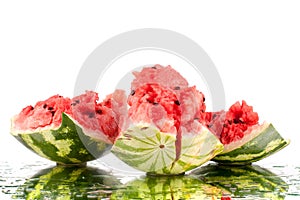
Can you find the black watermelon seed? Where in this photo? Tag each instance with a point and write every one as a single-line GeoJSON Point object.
{"type": "Point", "coordinates": [177, 88]}
{"type": "Point", "coordinates": [203, 99]}
{"type": "Point", "coordinates": [177, 102]}
{"type": "Point", "coordinates": [52, 112]}
{"type": "Point", "coordinates": [50, 108]}
{"type": "Point", "coordinates": [132, 92]}
{"type": "Point", "coordinates": [45, 106]}
{"type": "Point", "coordinates": [77, 101]}
{"type": "Point", "coordinates": [99, 111]}
{"type": "Point", "coordinates": [153, 67]}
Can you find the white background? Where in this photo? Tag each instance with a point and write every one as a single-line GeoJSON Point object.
{"type": "Point", "coordinates": [255, 46]}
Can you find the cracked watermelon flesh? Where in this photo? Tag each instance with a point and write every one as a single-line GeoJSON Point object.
{"type": "Point", "coordinates": [69, 131]}
{"type": "Point", "coordinates": [244, 139]}
{"type": "Point", "coordinates": [164, 132]}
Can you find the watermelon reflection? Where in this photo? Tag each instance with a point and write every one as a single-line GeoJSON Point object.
{"type": "Point", "coordinates": [168, 187]}
{"type": "Point", "coordinates": [250, 181]}
{"type": "Point", "coordinates": [62, 182]}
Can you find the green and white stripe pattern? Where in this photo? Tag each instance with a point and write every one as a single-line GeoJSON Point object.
{"type": "Point", "coordinates": [145, 148]}
{"type": "Point", "coordinates": [262, 142]}
{"type": "Point", "coordinates": [66, 145]}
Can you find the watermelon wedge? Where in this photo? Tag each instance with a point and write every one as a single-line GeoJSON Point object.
{"type": "Point", "coordinates": [70, 131]}
{"type": "Point", "coordinates": [164, 132]}
{"type": "Point", "coordinates": [245, 140]}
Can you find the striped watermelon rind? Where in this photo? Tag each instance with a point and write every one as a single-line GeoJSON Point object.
{"type": "Point", "coordinates": [73, 182]}
{"type": "Point", "coordinates": [67, 144]}
{"type": "Point", "coordinates": [262, 141]}
{"type": "Point", "coordinates": [144, 147]}
{"type": "Point", "coordinates": [248, 181]}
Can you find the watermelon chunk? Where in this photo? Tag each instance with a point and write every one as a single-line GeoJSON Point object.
{"type": "Point", "coordinates": [164, 133]}
{"type": "Point", "coordinates": [244, 139]}
{"type": "Point", "coordinates": [69, 131]}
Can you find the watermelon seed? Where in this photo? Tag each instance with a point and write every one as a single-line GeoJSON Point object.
{"type": "Point", "coordinates": [203, 99]}
{"type": "Point", "coordinates": [177, 102]}
{"type": "Point", "coordinates": [50, 108]}
{"type": "Point", "coordinates": [144, 128]}
{"type": "Point", "coordinates": [196, 118]}
{"type": "Point", "coordinates": [77, 101]}
{"type": "Point", "coordinates": [161, 146]}
{"type": "Point", "coordinates": [52, 112]}
{"type": "Point", "coordinates": [236, 121]}
{"type": "Point", "coordinates": [153, 67]}
{"type": "Point", "coordinates": [132, 92]}
{"type": "Point", "coordinates": [45, 106]}
{"type": "Point", "coordinates": [99, 112]}
{"type": "Point", "coordinates": [177, 88]}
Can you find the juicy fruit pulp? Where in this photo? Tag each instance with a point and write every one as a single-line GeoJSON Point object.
{"type": "Point", "coordinates": [70, 131]}
{"type": "Point", "coordinates": [244, 139]}
{"type": "Point", "coordinates": [230, 126]}
{"type": "Point", "coordinates": [164, 132]}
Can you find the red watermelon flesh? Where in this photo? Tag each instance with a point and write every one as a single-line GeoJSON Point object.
{"type": "Point", "coordinates": [231, 126]}
{"type": "Point", "coordinates": [99, 119]}
{"type": "Point", "coordinates": [165, 76]}
{"type": "Point", "coordinates": [155, 104]}
{"type": "Point", "coordinates": [44, 114]}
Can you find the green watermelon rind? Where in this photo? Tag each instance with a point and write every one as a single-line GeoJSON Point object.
{"type": "Point", "coordinates": [144, 147]}
{"type": "Point", "coordinates": [68, 144]}
{"type": "Point", "coordinates": [265, 142]}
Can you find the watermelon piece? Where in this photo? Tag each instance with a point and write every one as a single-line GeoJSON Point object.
{"type": "Point", "coordinates": [69, 131]}
{"type": "Point", "coordinates": [164, 132]}
{"type": "Point", "coordinates": [71, 182]}
{"type": "Point", "coordinates": [166, 187]}
{"type": "Point", "coordinates": [244, 139]}
{"type": "Point", "coordinates": [247, 181]}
